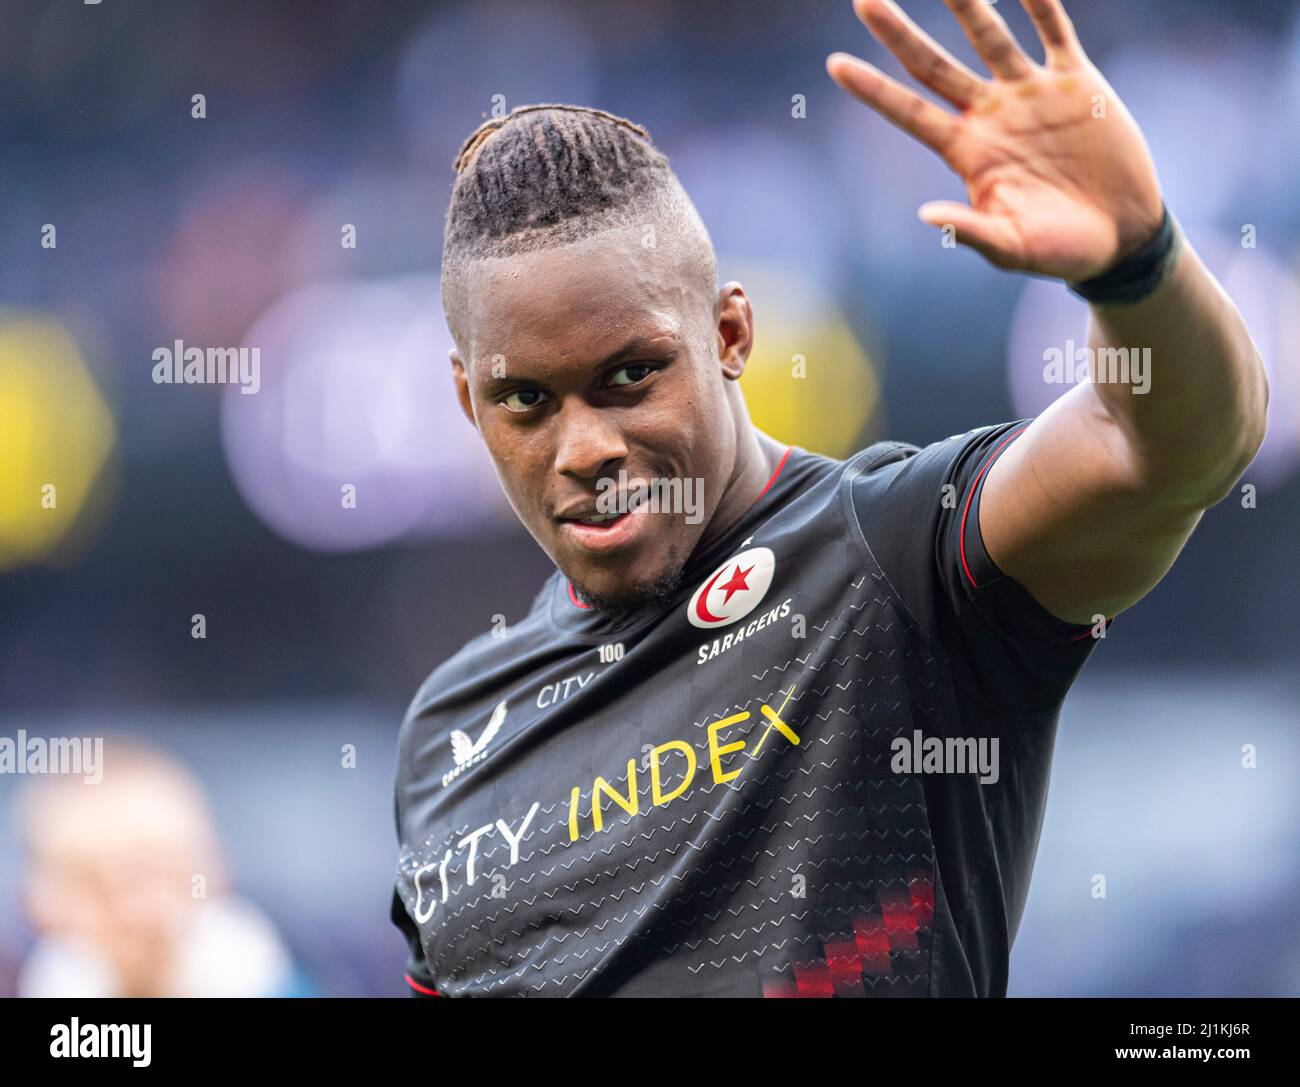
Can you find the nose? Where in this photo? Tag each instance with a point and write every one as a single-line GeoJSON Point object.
{"type": "Point", "coordinates": [589, 443]}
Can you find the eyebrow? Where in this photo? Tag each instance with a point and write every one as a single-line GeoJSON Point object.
{"type": "Point", "coordinates": [633, 348]}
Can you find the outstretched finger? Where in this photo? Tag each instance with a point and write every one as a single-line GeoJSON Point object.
{"type": "Point", "coordinates": [920, 54]}
{"type": "Point", "coordinates": [1055, 29]}
{"type": "Point", "coordinates": [933, 126]}
{"type": "Point", "coordinates": [991, 38]}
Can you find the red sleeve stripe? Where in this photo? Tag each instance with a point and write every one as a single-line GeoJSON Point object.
{"type": "Point", "coordinates": [971, 496]}
{"type": "Point", "coordinates": [420, 988]}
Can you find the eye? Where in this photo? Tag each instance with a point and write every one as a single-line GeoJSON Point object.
{"type": "Point", "coordinates": [634, 374]}
{"type": "Point", "coordinates": [523, 399]}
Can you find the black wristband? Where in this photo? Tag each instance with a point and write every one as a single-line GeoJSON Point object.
{"type": "Point", "coordinates": [1138, 275]}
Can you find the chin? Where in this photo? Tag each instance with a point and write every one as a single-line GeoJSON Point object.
{"type": "Point", "coordinates": [615, 594]}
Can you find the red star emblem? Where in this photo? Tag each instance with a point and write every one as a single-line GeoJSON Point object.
{"type": "Point", "coordinates": [736, 583]}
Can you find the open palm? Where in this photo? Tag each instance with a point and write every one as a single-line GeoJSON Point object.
{"type": "Point", "coordinates": [1059, 178]}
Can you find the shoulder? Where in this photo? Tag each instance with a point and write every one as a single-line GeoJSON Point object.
{"type": "Point", "coordinates": [471, 671]}
{"type": "Point", "coordinates": [909, 507]}
{"type": "Point", "coordinates": [882, 454]}
{"type": "Point", "coordinates": [897, 476]}
{"type": "Point", "coordinates": [814, 481]}
{"type": "Point", "coordinates": [462, 690]}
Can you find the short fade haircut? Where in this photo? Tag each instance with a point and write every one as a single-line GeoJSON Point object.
{"type": "Point", "coordinates": [547, 175]}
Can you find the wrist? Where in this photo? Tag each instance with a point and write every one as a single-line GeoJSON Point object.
{"type": "Point", "coordinates": [1137, 275]}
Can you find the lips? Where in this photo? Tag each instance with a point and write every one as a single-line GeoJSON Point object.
{"type": "Point", "coordinates": [606, 536]}
{"type": "Point", "coordinates": [588, 509]}
{"type": "Point", "coordinates": [592, 518]}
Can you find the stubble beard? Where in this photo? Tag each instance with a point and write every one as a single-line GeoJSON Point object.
{"type": "Point", "coordinates": [656, 594]}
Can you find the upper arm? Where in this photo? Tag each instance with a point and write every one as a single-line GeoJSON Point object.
{"type": "Point", "coordinates": [920, 515]}
{"type": "Point", "coordinates": [1066, 513]}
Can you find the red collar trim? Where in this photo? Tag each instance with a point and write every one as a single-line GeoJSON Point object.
{"type": "Point", "coordinates": [784, 458]}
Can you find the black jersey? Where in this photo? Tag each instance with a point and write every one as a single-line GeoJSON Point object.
{"type": "Point", "coordinates": [821, 771]}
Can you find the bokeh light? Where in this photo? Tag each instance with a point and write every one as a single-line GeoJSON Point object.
{"type": "Point", "coordinates": [809, 381]}
{"type": "Point", "coordinates": [356, 392]}
{"type": "Point", "coordinates": [56, 433]}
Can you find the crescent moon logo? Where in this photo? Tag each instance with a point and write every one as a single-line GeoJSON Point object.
{"type": "Point", "coordinates": [701, 609]}
{"type": "Point", "coordinates": [733, 590]}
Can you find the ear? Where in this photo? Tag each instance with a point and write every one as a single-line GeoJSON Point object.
{"type": "Point", "coordinates": [734, 330]}
{"type": "Point", "coordinates": [461, 380]}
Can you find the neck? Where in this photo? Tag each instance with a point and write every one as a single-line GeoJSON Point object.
{"type": "Point", "coordinates": [757, 458]}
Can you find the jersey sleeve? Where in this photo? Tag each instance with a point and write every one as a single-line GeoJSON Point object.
{"type": "Point", "coordinates": [918, 511]}
{"type": "Point", "coordinates": [416, 971]}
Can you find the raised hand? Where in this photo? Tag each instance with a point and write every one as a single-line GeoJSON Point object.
{"type": "Point", "coordinates": [1059, 178]}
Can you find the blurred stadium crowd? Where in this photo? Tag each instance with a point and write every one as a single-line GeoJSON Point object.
{"type": "Point", "coordinates": [175, 501]}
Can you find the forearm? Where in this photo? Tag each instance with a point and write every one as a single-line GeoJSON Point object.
{"type": "Point", "coordinates": [1191, 407]}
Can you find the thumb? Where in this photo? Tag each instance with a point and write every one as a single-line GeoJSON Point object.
{"type": "Point", "coordinates": [990, 235]}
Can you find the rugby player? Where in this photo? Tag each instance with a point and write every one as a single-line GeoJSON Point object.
{"type": "Point", "coordinates": [724, 754]}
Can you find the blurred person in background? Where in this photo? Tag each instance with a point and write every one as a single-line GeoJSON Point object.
{"type": "Point", "coordinates": [125, 886]}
